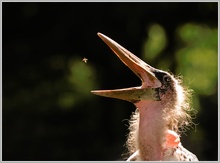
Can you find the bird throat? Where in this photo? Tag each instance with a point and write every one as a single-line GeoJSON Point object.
{"type": "Point", "coordinates": [152, 129]}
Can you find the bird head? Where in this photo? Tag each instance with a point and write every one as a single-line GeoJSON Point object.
{"type": "Point", "coordinates": [157, 85]}
{"type": "Point", "coordinates": [161, 101]}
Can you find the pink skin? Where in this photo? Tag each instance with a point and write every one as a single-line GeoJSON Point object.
{"type": "Point", "coordinates": [150, 130]}
{"type": "Point", "coordinates": [172, 139]}
{"type": "Point", "coordinates": [154, 138]}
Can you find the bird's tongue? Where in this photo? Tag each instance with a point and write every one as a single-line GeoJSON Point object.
{"type": "Point", "coordinates": [140, 68]}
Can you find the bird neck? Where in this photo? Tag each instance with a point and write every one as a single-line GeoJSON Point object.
{"type": "Point", "coordinates": [152, 129]}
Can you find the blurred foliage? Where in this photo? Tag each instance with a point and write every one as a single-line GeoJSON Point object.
{"type": "Point", "coordinates": [155, 43]}
{"type": "Point", "coordinates": [199, 57]}
{"type": "Point", "coordinates": [48, 111]}
{"type": "Point", "coordinates": [81, 80]}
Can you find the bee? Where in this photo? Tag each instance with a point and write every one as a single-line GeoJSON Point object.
{"type": "Point", "coordinates": [85, 60]}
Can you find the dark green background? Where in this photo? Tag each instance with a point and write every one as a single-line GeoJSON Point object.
{"type": "Point", "coordinates": [48, 111]}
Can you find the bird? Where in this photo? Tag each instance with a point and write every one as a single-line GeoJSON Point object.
{"type": "Point", "coordinates": [162, 110]}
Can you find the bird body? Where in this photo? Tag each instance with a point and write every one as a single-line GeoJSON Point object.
{"type": "Point", "coordinates": [162, 109]}
{"type": "Point", "coordinates": [173, 150]}
{"type": "Point", "coordinates": [175, 154]}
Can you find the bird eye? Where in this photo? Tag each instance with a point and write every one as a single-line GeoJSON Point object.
{"type": "Point", "coordinates": [166, 78]}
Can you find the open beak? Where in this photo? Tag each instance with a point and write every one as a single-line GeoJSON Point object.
{"type": "Point", "coordinates": [140, 68]}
